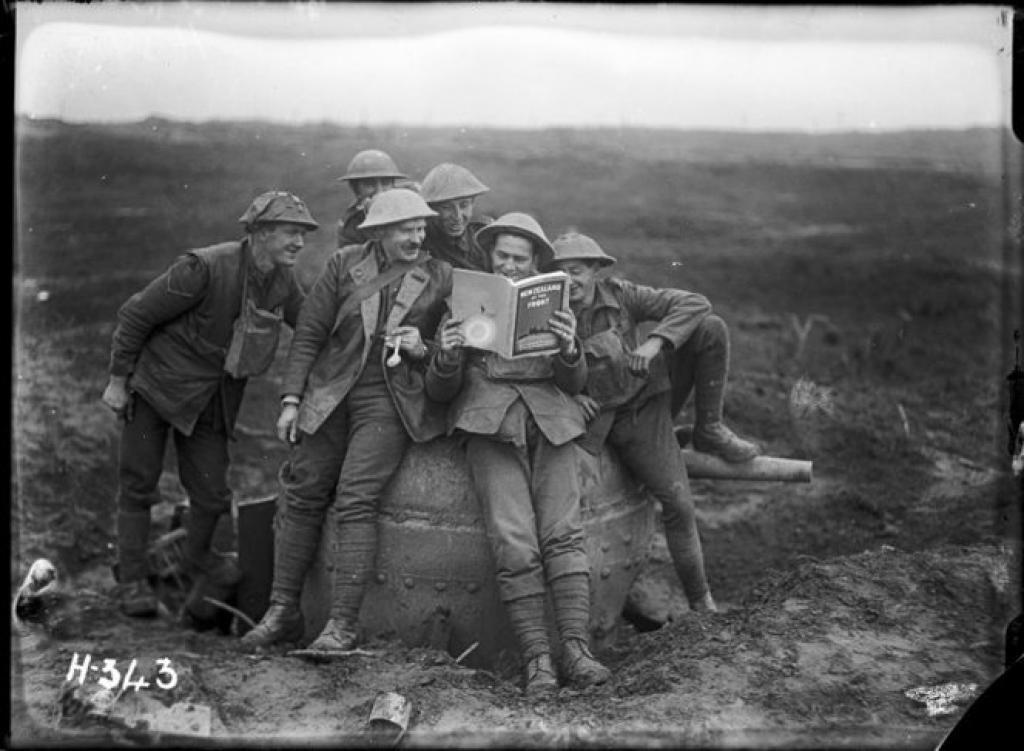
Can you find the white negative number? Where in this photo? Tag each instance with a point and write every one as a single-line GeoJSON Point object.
{"type": "Point", "coordinates": [166, 669]}
{"type": "Point", "coordinates": [112, 682]}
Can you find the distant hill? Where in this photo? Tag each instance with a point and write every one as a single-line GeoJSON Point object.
{"type": "Point", "coordinates": [969, 150]}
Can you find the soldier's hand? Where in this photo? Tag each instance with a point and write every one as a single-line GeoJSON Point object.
{"type": "Point", "coordinates": [452, 337]}
{"type": "Point", "coordinates": [590, 407]}
{"type": "Point", "coordinates": [288, 424]}
{"type": "Point", "coordinates": [117, 396]}
{"type": "Point", "coordinates": [409, 340]}
{"type": "Point", "coordinates": [563, 324]}
{"type": "Point", "coordinates": [640, 358]}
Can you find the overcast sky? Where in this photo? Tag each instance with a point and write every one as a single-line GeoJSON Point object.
{"type": "Point", "coordinates": [518, 65]}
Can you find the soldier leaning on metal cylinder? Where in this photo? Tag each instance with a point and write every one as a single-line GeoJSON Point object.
{"type": "Point", "coordinates": [182, 351]}
{"type": "Point", "coordinates": [451, 191]}
{"type": "Point", "coordinates": [349, 414]}
{"type": "Point", "coordinates": [370, 172]}
{"type": "Point", "coordinates": [635, 389]}
{"type": "Point", "coordinates": [519, 423]}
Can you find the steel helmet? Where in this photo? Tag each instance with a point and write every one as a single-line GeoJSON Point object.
{"type": "Point", "coordinates": [396, 205]}
{"type": "Point", "coordinates": [448, 181]}
{"type": "Point", "coordinates": [524, 225]}
{"type": "Point", "coordinates": [277, 206]}
{"type": "Point", "coordinates": [573, 246]}
{"type": "Point", "coordinates": [372, 163]}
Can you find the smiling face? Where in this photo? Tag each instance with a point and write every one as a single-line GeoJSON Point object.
{"type": "Point", "coordinates": [402, 241]}
{"type": "Point", "coordinates": [278, 244]}
{"type": "Point", "coordinates": [512, 257]}
{"type": "Point", "coordinates": [582, 278]}
{"type": "Point", "coordinates": [454, 215]}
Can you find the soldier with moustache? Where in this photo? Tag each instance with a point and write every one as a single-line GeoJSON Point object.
{"type": "Point", "coordinates": [352, 402]}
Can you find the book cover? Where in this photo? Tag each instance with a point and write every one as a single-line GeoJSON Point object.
{"type": "Point", "coordinates": [510, 318]}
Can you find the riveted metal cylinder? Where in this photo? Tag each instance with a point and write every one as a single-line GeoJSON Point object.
{"type": "Point", "coordinates": [431, 531]}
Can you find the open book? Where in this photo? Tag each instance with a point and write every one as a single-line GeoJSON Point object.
{"type": "Point", "coordinates": [510, 318]}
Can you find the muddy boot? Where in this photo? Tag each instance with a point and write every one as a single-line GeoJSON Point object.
{"type": "Point", "coordinates": [352, 559]}
{"type": "Point", "coordinates": [337, 636]}
{"type": "Point", "coordinates": [684, 547]}
{"type": "Point", "coordinates": [571, 597]}
{"type": "Point", "coordinates": [214, 575]}
{"type": "Point", "coordinates": [280, 623]}
{"type": "Point", "coordinates": [539, 677]}
{"type": "Point", "coordinates": [295, 544]}
{"type": "Point", "coordinates": [579, 668]}
{"type": "Point", "coordinates": [715, 438]}
{"type": "Point", "coordinates": [526, 615]}
{"type": "Point", "coordinates": [136, 597]}
{"type": "Point", "coordinates": [710, 434]}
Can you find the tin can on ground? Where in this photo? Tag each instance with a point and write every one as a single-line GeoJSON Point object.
{"type": "Point", "coordinates": [391, 712]}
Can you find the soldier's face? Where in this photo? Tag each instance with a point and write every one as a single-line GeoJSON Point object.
{"type": "Point", "coordinates": [454, 215]}
{"type": "Point", "coordinates": [282, 242]}
{"type": "Point", "coordinates": [582, 277]}
{"type": "Point", "coordinates": [368, 187]}
{"type": "Point", "coordinates": [512, 257]}
{"type": "Point", "coordinates": [402, 241]}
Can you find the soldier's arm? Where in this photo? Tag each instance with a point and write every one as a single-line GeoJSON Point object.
{"type": "Point", "coordinates": [571, 372]}
{"type": "Point", "coordinates": [173, 293]}
{"type": "Point", "coordinates": [677, 312]}
{"type": "Point", "coordinates": [444, 376]}
{"type": "Point", "coordinates": [313, 326]}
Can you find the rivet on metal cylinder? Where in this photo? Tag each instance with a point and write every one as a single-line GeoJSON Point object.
{"type": "Point", "coordinates": [606, 572]}
{"type": "Point", "coordinates": [441, 586]}
{"type": "Point", "coordinates": [381, 577]}
{"type": "Point", "coordinates": [408, 582]}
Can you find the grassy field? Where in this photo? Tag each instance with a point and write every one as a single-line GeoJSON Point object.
{"type": "Point", "coordinates": [870, 287]}
{"type": "Point", "coordinates": [871, 265]}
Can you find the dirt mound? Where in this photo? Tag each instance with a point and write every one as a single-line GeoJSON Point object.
{"type": "Point", "coordinates": [825, 650]}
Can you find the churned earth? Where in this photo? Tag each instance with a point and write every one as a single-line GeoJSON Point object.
{"type": "Point", "coordinates": [866, 289]}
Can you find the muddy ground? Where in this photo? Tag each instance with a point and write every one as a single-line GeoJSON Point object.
{"type": "Point", "coordinates": [867, 305]}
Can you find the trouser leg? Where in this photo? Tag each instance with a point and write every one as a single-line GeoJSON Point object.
{"type": "Point", "coordinates": [308, 480]}
{"type": "Point", "coordinates": [203, 468]}
{"type": "Point", "coordinates": [143, 441]}
{"type": "Point", "coordinates": [701, 364]}
{"type": "Point", "coordinates": [377, 442]}
{"type": "Point", "coordinates": [499, 472]}
{"type": "Point", "coordinates": [645, 444]}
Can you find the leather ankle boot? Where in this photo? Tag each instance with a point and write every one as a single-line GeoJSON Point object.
{"type": "Point", "coordinates": [137, 599]}
{"type": "Point", "coordinates": [715, 438]}
{"type": "Point", "coordinates": [539, 676]}
{"type": "Point", "coordinates": [579, 667]}
{"type": "Point", "coordinates": [338, 635]}
{"type": "Point", "coordinates": [279, 623]}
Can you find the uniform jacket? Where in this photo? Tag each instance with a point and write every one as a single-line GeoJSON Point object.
{"type": "Point", "coordinates": [609, 329]}
{"type": "Point", "coordinates": [483, 386]}
{"type": "Point", "coordinates": [463, 253]}
{"type": "Point", "coordinates": [172, 336]}
{"type": "Point", "coordinates": [328, 355]}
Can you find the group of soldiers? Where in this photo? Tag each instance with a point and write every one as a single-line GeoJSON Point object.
{"type": "Point", "coordinates": [376, 363]}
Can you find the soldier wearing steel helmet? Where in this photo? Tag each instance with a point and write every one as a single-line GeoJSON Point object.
{"type": "Point", "coordinates": [352, 401]}
{"type": "Point", "coordinates": [519, 422]}
{"type": "Point", "coordinates": [370, 172]}
{"type": "Point", "coordinates": [451, 191]}
{"type": "Point", "coordinates": [183, 349]}
{"type": "Point", "coordinates": [635, 388]}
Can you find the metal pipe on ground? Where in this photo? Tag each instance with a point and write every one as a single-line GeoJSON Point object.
{"type": "Point", "coordinates": [773, 468]}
